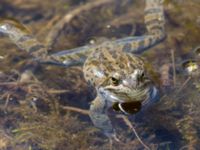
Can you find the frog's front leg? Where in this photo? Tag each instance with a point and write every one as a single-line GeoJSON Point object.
{"type": "Point", "coordinates": [99, 117]}
{"type": "Point", "coordinates": [155, 25]}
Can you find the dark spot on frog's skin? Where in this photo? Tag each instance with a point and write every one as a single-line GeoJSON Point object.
{"type": "Point", "coordinates": [157, 29]}
{"type": "Point", "coordinates": [105, 72]}
{"type": "Point", "coordinates": [86, 75]}
{"type": "Point", "coordinates": [25, 38]}
{"type": "Point", "coordinates": [36, 47]}
{"type": "Point", "coordinates": [108, 48]}
{"type": "Point", "coordinates": [114, 54]}
{"type": "Point", "coordinates": [92, 80]}
{"type": "Point", "coordinates": [129, 58]}
{"type": "Point", "coordinates": [109, 67]}
{"type": "Point", "coordinates": [62, 58]}
{"type": "Point", "coordinates": [132, 66]}
{"type": "Point", "coordinates": [91, 72]}
{"type": "Point", "coordinates": [152, 22]}
{"type": "Point", "coordinates": [96, 53]}
{"type": "Point", "coordinates": [121, 65]}
{"type": "Point", "coordinates": [121, 59]}
{"type": "Point", "coordinates": [127, 47]}
{"type": "Point", "coordinates": [140, 63]}
{"type": "Point", "coordinates": [88, 69]}
{"type": "Point", "coordinates": [104, 58]}
{"type": "Point", "coordinates": [70, 58]}
{"type": "Point", "coordinates": [141, 44]}
{"type": "Point", "coordinates": [95, 63]}
{"type": "Point", "coordinates": [101, 55]}
{"type": "Point", "coordinates": [80, 55]}
{"type": "Point", "coordinates": [150, 40]}
{"type": "Point", "coordinates": [152, 11]}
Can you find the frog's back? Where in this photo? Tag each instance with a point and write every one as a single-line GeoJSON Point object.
{"type": "Point", "coordinates": [108, 59]}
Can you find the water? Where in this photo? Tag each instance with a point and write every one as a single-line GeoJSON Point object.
{"type": "Point", "coordinates": [34, 115]}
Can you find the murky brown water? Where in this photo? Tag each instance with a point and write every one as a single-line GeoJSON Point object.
{"type": "Point", "coordinates": [33, 115]}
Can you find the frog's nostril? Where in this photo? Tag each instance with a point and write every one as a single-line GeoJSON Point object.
{"type": "Point", "coordinates": [130, 83]}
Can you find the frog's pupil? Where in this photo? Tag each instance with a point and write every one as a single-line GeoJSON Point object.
{"type": "Point", "coordinates": [115, 81]}
{"type": "Point", "coordinates": [142, 75]}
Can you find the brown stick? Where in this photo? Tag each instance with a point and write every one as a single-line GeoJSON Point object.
{"type": "Point", "coordinates": [7, 101]}
{"type": "Point", "coordinates": [174, 67]}
{"type": "Point", "coordinates": [129, 124]}
{"type": "Point", "coordinates": [17, 83]}
{"type": "Point", "coordinates": [183, 85]}
{"type": "Point", "coordinates": [8, 83]}
{"type": "Point", "coordinates": [55, 32]}
{"type": "Point", "coordinates": [74, 109]}
{"type": "Point", "coordinates": [53, 91]}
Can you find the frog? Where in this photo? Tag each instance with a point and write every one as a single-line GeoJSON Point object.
{"type": "Point", "coordinates": [114, 68]}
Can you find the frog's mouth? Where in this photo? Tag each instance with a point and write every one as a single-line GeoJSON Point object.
{"type": "Point", "coordinates": [134, 106]}
{"type": "Point", "coordinates": [123, 96]}
{"type": "Point", "coordinates": [128, 107]}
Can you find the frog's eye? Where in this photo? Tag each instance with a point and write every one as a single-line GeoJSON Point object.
{"type": "Point", "coordinates": [114, 81]}
{"type": "Point", "coordinates": [141, 77]}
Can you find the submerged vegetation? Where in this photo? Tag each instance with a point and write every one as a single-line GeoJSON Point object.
{"type": "Point", "coordinates": [48, 110]}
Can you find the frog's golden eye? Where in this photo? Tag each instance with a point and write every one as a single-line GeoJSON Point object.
{"type": "Point", "coordinates": [115, 81]}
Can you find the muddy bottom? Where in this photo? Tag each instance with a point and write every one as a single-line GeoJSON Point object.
{"type": "Point", "coordinates": [48, 110]}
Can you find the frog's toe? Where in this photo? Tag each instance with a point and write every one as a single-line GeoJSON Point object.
{"type": "Point", "coordinates": [114, 137]}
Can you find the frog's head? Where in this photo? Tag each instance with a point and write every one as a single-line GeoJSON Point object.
{"type": "Point", "coordinates": [133, 85]}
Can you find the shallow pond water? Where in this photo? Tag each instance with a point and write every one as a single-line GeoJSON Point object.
{"type": "Point", "coordinates": [51, 111]}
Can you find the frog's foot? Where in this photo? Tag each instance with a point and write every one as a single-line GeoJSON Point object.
{"type": "Point", "coordinates": [112, 140]}
{"type": "Point", "coordinates": [155, 25]}
{"type": "Point", "coordinates": [22, 37]}
{"type": "Point", "coordinates": [112, 136]}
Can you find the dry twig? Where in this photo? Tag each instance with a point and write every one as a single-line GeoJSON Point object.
{"type": "Point", "coordinates": [129, 124]}
{"type": "Point", "coordinates": [184, 84]}
{"type": "Point", "coordinates": [125, 119]}
{"type": "Point", "coordinates": [74, 109]}
{"type": "Point", "coordinates": [174, 67]}
{"type": "Point", "coordinates": [55, 32]}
